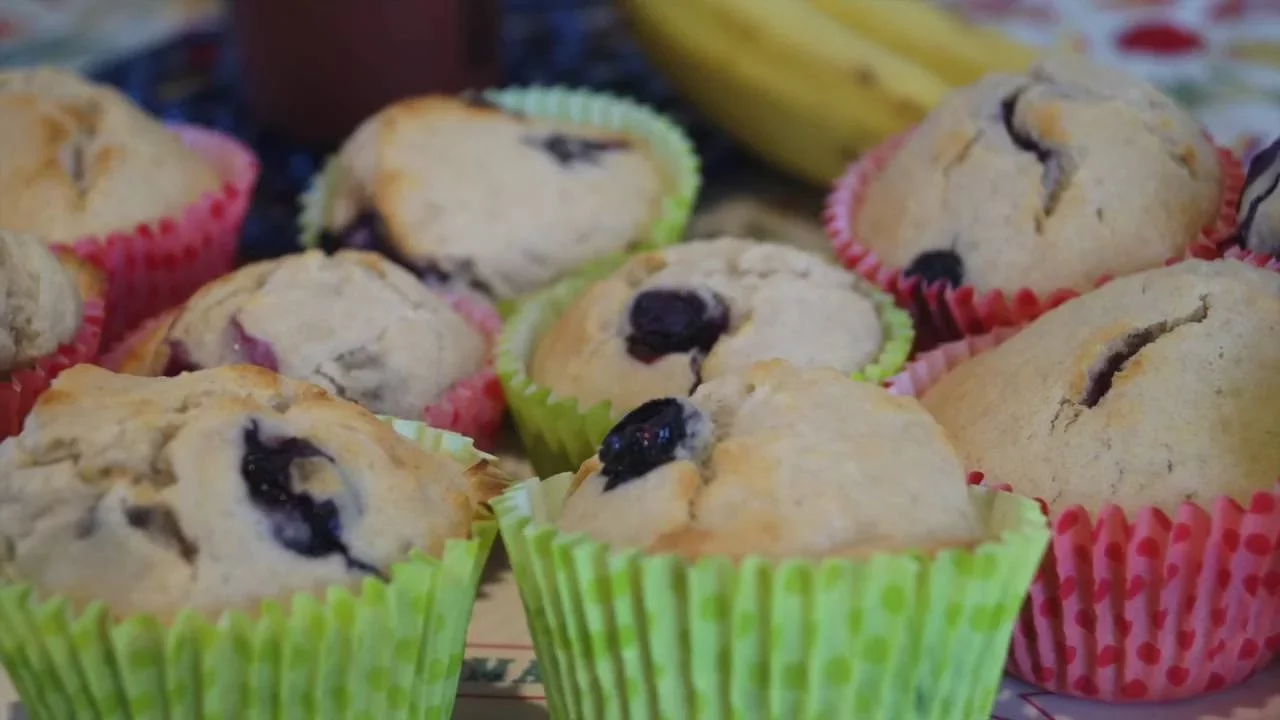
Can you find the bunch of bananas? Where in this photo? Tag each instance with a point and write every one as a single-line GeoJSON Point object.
{"type": "Point", "coordinates": [811, 84]}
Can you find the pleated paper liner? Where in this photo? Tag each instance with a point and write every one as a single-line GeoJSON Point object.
{"type": "Point", "coordinates": [1146, 607]}
{"type": "Point", "coordinates": [159, 264]}
{"type": "Point", "coordinates": [473, 406]}
{"type": "Point", "coordinates": [944, 313]}
{"type": "Point", "coordinates": [667, 143]}
{"type": "Point", "coordinates": [386, 650]}
{"type": "Point", "coordinates": [19, 389]}
{"type": "Point", "coordinates": [558, 433]}
{"type": "Point", "coordinates": [620, 634]}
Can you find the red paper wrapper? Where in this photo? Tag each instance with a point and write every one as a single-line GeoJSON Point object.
{"type": "Point", "coordinates": [159, 264]}
{"type": "Point", "coordinates": [19, 392]}
{"type": "Point", "coordinates": [472, 406]}
{"type": "Point", "coordinates": [1146, 609]}
{"type": "Point", "coordinates": [943, 313]}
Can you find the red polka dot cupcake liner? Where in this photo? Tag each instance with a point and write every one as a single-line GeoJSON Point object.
{"type": "Point", "coordinates": [944, 313]}
{"type": "Point", "coordinates": [20, 389]}
{"type": "Point", "coordinates": [1143, 608]}
{"type": "Point", "coordinates": [473, 406]}
{"type": "Point", "coordinates": [158, 264]}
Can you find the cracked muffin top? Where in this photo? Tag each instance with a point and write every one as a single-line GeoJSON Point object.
{"type": "Point", "coordinates": [465, 193]}
{"type": "Point", "coordinates": [353, 323]}
{"type": "Point", "coordinates": [81, 159]}
{"type": "Point", "coordinates": [216, 489]}
{"type": "Point", "coordinates": [776, 461]}
{"type": "Point", "coordinates": [1045, 181]}
{"type": "Point", "coordinates": [1156, 389]}
{"type": "Point", "coordinates": [40, 306]}
{"type": "Point", "coordinates": [667, 320]}
{"type": "Point", "coordinates": [1258, 217]}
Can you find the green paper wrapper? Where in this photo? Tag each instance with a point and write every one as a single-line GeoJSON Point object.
{"type": "Point", "coordinates": [668, 144]}
{"type": "Point", "coordinates": [621, 634]}
{"type": "Point", "coordinates": [382, 651]}
{"type": "Point", "coordinates": [558, 433]}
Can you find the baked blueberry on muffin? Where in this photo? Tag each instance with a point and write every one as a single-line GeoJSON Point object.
{"type": "Point", "coordinates": [216, 489]}
{"type": "Point", "coordinates": [776, 461]}
{"type": "Point", "coordinates": [668, 320]}
{"type": "Point", "coordinates": [1046, 181]}
{"type": "Point", "coordinates": [465, 193]}
{"type": "Point", "coordinates": [1258, 218]}
{"type": "Point", "coordinates": [81, 159]}
{"type": "Point", "coordinates": [40, 301]}
{"type": "Point", "coordinates": [1154, 390]}
{"type": "Point", "coordinates": [353, 323]}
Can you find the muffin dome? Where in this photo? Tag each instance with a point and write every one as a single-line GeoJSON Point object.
{"type": "Point", "coordinates": [81, 159]}
{"type": "Point", "coordinates": [466, 193]}
{"type": "Point", "coordinates": [40, 305]}
{"type": "Point", "coordinates": [215, 489]}
{"type": "Point", "coordinates": [775, 461]}
{"type": "Point", "coordinates": [1045, 181]}
{"type": "Point", "coordinates": [353, 323]}
{"type": "Point", "coordinates": [671, 319]}
{"type": "Point", "coordinates": [1154, 390]}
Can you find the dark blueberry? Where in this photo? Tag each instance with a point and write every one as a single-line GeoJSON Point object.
{"type": "Point", "coordinates": [937, 266]}
{"type": "Point", "coordinates": [369, 232]}
{"type": "Point", "coordinates": [1056, 170]}
{"type": "Point", "coordinates": [645, 438]}
{"type": "Point", "coordinates": [1103, 373]}
{"type": "Point", "coordinates": [569, 150]}
{"type": "Point", "coordinates": [664, 322]}
{"type": "Point", "coordinates": [162, 524]}
{"type": "Point", "coordinates": [179, 360]}
{"type": "Point", "coordinates": [1021, 140]}
{"type": "Point", "coordinates": [366, 232]}
{"type": "Point", "coordinates": [253, 350]}
{"type": "Point", "coordinates": [298, 521]}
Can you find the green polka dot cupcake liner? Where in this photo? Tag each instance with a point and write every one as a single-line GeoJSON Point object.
{"type": "Point", "coordinates": [382, 651]}
{"type": "Point", "coordinates": [621, 634]}
{"type": "Point", "coordinates": [559, 432]}
{"type": "Point", "coordinates": [667, 143]}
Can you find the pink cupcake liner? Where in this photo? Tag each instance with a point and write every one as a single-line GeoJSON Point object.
{"type": "Point", "coordinates": [943, 313]}
{"type": "Point", "coordinates": [473, 406]}
{"type": "Point", "coordinates": [159, 264]}
{"type": "Point", "coordinates": [1141, 609]}
{"type": "Point", "coordinates": [19, 392]}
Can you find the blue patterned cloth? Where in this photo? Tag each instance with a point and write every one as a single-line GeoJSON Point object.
{"type": "Point", "coordinates": [570, 42]}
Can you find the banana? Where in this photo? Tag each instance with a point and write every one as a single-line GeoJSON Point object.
{"type": "Point", "coordinates": [803, 92]}
{"type": "Point", "coordinates": [953, 48]}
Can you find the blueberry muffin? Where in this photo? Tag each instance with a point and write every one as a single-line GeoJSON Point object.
{"type": "Point", "coordinates": [1046, 181]}
{"type": "Point", "coordinates": [40, 305]}
{"type": "Point", "coordinates": [81, 159]}
{"type": "Point", "coordinates": [777, 461]}
{"type": "Point", "coordinates": [1154, 390]}
{"type": "Point", "coordinates": [353, 323]}
{"type": "Point", "coordinates": [668, 320]}
{"type": "Point", "coordinates": [465, 193]}
{"type": "Point", "coordinates": [1258, 218]}
{"type": "Point", "coordinates": [216, 489]}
